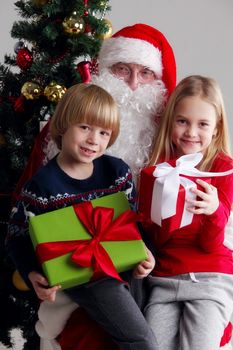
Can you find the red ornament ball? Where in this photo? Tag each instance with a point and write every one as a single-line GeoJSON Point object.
{"type": "Point", "coordinates": [24, 58]}
{"type": "Point", "coordinates": [84, 70]}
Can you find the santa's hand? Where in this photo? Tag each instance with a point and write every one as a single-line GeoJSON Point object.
{"type": "Point", "coordinates": [40, 285]}
{"type": "Point", "coordinates": [145, 267]}
{"type": "Point", "coordinates": [208, 202]}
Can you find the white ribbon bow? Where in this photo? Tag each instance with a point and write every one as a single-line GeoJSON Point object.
{"type": "Point", "coordinates": [167, 184]}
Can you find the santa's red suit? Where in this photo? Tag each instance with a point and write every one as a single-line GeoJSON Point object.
{"type": "Point", "coordinates": [63, 325]}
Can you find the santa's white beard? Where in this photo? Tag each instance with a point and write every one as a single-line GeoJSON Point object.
{"type": "Point", "coordinates": [139, 115]}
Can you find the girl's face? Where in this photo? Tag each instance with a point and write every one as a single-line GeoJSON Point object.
{"type": "Point", "coordinates": [82, 143]}
{"type": "Point", "coordinates": [194, 125]}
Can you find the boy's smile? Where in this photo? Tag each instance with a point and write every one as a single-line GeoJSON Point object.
{"type": "Point", "coordinates": [81, 144]}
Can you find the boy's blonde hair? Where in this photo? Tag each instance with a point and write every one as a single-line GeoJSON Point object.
{"type": "Point", "coordinates": [208, 90]}
{"type": "Point", "coordinates": [85, 103]}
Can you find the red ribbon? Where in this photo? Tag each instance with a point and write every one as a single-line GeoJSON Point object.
{"type": "Point", "coordinates": [89, 252]}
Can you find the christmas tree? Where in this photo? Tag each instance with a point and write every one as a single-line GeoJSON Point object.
{"type": "Point", "coordinates": [57, 46]}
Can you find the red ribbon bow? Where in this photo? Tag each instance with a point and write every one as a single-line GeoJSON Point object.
{"type": "Point", "coordinates": [89, 252]}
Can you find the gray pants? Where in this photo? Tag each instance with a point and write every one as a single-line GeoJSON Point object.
{"type": "Point", "coordinates": [189, 314]}
{"type": "Point", "coordinates": [111, 305]}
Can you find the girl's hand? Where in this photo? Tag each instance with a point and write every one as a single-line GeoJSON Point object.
{"type": "Point", "coordinates": [209, 199]}
{"type": "Point", "coordinates": [145, 267]}
{"type": "Point", "coordinates": [40, 284]}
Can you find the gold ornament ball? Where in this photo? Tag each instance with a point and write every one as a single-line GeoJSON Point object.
{"type": "Point", "coordinates": [31, 90]}
{"type": "Point", "coordinates": [74, 24]}
{"type": "Point", "coordinates": [18, 282]}
{"type": "Point", "coordinates": [107, 34]}
{"type": "Point", "coordinates": [103, 4]}
{"type": "Point", "coordinates": [54, 91]}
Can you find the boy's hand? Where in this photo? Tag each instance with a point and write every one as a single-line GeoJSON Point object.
{"type": "Point", "coordinates": [208, 202]}
{"type": "Point", "coordinates": [40, 284]}
{"type": "Point", "coordinates": [145, 267]}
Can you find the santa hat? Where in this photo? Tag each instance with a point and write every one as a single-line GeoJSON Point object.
{"type": "Point", "coordinates": [141, 44]}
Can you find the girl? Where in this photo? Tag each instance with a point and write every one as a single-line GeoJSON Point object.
{"type": "Point", "coordinates": [191, 286]}
{"type": "Point", "coordinates": [85, 123]}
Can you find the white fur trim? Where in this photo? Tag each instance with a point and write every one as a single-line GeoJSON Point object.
{"type": "Point", "coordinates": [130, 50]}
{"type": "Point", "coordinates": [54, 315]}
{"type": "Point", "coordinates": [49, 345]}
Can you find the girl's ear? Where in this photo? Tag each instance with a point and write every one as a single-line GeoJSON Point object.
{"type": "Point", "coordinates": [215, 132]}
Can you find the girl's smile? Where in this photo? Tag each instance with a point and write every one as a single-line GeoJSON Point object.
{"type": "Point", "coordinates": [194, 125]}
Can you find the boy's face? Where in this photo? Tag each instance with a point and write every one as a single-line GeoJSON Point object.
{"type": "Point", "coordinates": [82, 143]}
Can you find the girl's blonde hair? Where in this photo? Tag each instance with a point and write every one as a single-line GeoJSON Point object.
{"type": "Point", "coordinates": [85, 103]}
{"type": "Point", "coordinates": [208, 90]}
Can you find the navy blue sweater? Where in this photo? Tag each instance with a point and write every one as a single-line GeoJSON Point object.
{"type": "Point", "coordinates": [51, 188]}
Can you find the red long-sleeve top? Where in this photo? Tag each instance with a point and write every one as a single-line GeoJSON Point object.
{"type": "Point", "coordinates": [198, 247]}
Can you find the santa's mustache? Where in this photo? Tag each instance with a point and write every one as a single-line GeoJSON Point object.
{"type": "Point", "coordinates": [147, 97]}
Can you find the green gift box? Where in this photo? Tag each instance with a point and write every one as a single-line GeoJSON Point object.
{"type": "Point", "coordinates": [64, 225]}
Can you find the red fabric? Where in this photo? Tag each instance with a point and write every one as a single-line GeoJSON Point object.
{"type": "Point", "coordinates": [89, 252]}
{"type": "Point", "coordinates": [35, 161]}
{"type": "Point", "coordinates": [198, 247]}
{"type": "Point", "coordinates": [81, 333]}
{"type": "Point", "coordinates": [227, 335]}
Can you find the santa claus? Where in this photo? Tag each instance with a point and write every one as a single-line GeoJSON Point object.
{"type": "Point", "coordinates": [137, 66]}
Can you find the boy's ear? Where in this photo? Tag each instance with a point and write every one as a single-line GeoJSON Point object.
{"type": "Point", "coordinates": [59, 143]}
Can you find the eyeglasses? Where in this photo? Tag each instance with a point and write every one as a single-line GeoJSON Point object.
{"type": "Point", "coordinates": [125, 71]}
